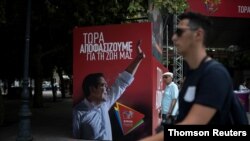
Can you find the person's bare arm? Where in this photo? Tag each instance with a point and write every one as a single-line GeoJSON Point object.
{"type": "Point", "coordinates": [198, 115]}
{"type": "Point", "coordinates": [133, 66]}
{"type": "Point", "coordinates": [171, 108]}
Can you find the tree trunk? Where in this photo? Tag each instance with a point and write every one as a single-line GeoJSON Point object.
{"type": "Point", "coordinates": [38, 94]}
{"type": "Point", "coordinates": [38, 97]}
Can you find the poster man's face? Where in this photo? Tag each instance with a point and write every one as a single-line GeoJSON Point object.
{"type": "Point", "coordinates": [99, 93]}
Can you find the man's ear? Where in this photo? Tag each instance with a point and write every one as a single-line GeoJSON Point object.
{"type": "Point", "coordinates": [92, 89]}
{"type": "Point", "coordinates": [199, 33]}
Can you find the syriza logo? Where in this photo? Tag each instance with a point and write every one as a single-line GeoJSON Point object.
{"type": "Point", "coordinates": [127, 114]}
{"type": "Point", "coordinates": [128, 118]}
{"type": "Point", "coordinates": [211, 5]}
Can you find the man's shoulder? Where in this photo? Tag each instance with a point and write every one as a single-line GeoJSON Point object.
{"type": "Point", "coordinates": [211, 70]}
{"type": "Point", "coordinates": [82, 106]}
{"type": "Point", "coordinates": [216, 68]}
{"type": "Point", "coordinates": [84, 113]}
{"type": "Point", "coordinates": [173, 84]}
{"type": "Point", "coordinates": [213, 64]}
{"type": "Point", "coordinates": [216, 75]}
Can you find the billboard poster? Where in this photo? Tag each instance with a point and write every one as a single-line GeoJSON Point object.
{"type": "Point", "coordinates": [221, 8]}
{"type": "Point", "coordinates": [157, 31]}
{"type": "Point", "coordinates": [109, 49]}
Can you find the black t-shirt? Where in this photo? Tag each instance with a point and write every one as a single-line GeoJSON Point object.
{"type": "Point", "coordinates": [210, 86]}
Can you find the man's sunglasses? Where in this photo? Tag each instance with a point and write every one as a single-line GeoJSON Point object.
{"type": "Point", "coordinates": [180, 31]}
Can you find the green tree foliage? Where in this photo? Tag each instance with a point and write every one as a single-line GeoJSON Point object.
{"type": "Point", "coordinates": [137, 9]}
{"type": "Point", "coordinates": [99, 12]}
{"type": "Point", "coordinates": [172, 6]}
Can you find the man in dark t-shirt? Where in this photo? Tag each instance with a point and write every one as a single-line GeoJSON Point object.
{"type": "Point", "coordinates": [209, 87]}
{"type": "Point", "coordinates": [207, 90]}
{"type": "Point", "coordinates": [204, 96]}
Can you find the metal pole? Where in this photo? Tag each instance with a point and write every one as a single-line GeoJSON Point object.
{"type": "Point", "coordinates": [167, 46]}
{"type": "Point", "coordinates": [24, 133]}
{"type": "Point", "coordinates": [178, 59]}
{"type": "Point", "coordinates": [175, 50]}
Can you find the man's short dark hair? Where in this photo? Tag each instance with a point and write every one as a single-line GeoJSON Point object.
{"type": "Point", "coordinates": [91, 80]}
{"type": "Point", "coordinates": [197, 20]}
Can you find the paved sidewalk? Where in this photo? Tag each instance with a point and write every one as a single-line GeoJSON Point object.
{"type": "Point", "coordinates": [52, 122]}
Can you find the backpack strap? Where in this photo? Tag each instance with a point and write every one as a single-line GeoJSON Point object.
{"type": "Point", "coordinates": [208, 64]}
{"type": "Point", "coordinates": [236, 113]}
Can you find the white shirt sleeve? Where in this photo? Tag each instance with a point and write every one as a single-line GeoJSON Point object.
{"type": "Point", "coordinates": [117, 89]}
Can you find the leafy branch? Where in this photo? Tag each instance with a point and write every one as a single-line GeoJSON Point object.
{"type": "Point", "coordinates": [172, 6]}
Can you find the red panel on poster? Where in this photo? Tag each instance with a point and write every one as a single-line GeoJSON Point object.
{"type": "Point", "coordinates": [221, 8]}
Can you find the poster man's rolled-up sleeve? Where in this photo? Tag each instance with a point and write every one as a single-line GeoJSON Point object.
{"type": "Point", "coordinates": [121, 83]}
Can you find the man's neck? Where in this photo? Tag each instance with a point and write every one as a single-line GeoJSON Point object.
{"type": "Point", "coordinates": [194, 58]}
{"type": "Point", "coordinates": [93, 101]}
{"type": "Point", "coordinates": [169, 83]}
